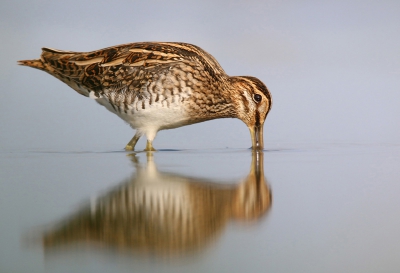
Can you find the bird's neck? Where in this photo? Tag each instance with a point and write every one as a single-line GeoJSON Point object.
{"type": "Point", "coordinates": [215, 102]}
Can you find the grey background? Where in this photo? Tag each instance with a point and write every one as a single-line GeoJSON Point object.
{"type": "Point", "coordinates": [333, 68]}
{"type": "Point", "coordinates": [332, 138]}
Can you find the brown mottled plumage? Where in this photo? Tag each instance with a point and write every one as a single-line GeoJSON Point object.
{"type": "Point", "coordinates": [155, 86]}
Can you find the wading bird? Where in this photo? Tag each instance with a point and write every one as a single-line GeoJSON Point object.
{"type": "Point", "coordinates": [155, 86]}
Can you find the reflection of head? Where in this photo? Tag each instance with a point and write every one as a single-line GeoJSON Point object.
{"type": "Point", "coordinates": [252, 200]}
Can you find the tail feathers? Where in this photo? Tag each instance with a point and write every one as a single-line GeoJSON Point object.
{"type": "Point", "coordinates": [56, 63]}
{"type": "Point", "coordinates": [49, 56]}
{"type": "Point", "coordinates": [56, 51]}
{"type": "Point", "coordinates": [33, 63]}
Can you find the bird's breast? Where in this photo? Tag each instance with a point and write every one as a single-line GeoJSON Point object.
{"type": "Point", "coordinates": [156, 111]}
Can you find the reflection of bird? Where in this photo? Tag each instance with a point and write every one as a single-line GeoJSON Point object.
{"type": "Point", "coordinates": [156, 86]}
{"type": "Point", "coordinates": [164, 213]}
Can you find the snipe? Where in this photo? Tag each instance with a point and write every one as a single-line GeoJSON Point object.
{"type": "Point", "coordinates": [156, 86]}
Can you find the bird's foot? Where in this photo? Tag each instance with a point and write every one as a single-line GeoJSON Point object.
{"type": "Point", "coordinates": [129, 147]}
{"type": "Point", "coordinates": [149, 147]}
{"type": "Point", "coordinates": [132, 143]}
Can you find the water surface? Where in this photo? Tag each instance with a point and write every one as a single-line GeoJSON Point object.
{"type": "Point", "coordinates": [299, 208]}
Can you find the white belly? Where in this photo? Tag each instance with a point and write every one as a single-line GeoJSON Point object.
{"type": "Point", "coordinates": [150, 118]}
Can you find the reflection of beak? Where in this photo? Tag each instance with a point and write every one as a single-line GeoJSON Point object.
{"type": "Point", "coordinates": [257, 166]}
{"type": "Point", "coordinates": [257, 138]}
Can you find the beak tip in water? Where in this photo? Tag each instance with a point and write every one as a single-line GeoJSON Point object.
{"type": "Point", "coordinates": [257, 137]}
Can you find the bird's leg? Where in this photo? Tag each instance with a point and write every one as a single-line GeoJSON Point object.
{"type": "Point", "coordinates": [149, 146]}
{"type": "Point", "coordinates": [131, 144]}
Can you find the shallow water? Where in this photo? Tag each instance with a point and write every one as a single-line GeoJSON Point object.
{"type": "Point", "coordinates": [315, 208]}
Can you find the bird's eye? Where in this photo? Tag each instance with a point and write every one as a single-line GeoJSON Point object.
{"type": "Point", "coordinates": [257, 98]}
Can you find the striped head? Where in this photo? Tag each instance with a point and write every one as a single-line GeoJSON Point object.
{"type": "Point", "coordinates": [253, 103]}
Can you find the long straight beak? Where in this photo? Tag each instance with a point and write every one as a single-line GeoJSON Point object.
{"type": "Point", "coordinates": [257, 138]}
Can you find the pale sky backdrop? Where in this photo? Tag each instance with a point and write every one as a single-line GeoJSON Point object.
{"type": "Point", "coordinates": [333, 68]}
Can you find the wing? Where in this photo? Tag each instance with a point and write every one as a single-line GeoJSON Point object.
{"type": "Point", "coordinates": [124, 68]}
